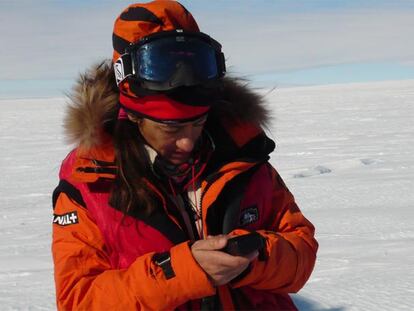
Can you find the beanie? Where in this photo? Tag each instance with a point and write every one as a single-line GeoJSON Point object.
{"type": "Point", "coordinates": [140, 20]}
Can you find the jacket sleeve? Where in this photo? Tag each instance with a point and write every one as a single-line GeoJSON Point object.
{"type": "Point", "coordinates": [85, 280]}
{"type": "Point", "coordinates": [290, 252]}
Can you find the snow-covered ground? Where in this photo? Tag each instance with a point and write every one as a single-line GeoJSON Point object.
{"type": "Point", "coordinates": [345, 151]}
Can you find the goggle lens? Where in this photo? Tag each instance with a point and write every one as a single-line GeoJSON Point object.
{"type": "Point", "coordinates": [159, 60]}
{"type": "Point", "coordinates": [167, 60]}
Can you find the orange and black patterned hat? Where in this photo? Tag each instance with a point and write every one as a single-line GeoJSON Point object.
{"type": "Point", "coordinates": [142, 19]}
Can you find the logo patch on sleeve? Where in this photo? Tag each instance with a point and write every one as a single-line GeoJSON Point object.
{"type": "Point", "coordinates": [249, 216]}
{"type": "Point", "coordinates": [67, 219]}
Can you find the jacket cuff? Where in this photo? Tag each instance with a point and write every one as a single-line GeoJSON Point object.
{"type": "Point", "coordinates": [249, 275]}
{"type": "Point", "coordinates": [190, 281]}
{"type": "Point", "coordinates": [277, 270]}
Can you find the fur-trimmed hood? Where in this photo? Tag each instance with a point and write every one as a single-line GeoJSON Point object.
{"type": "Point", "coordinates": [95, 94]}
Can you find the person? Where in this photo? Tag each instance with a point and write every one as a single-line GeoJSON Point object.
{"type": "Point", "coordinates": [171, 163]}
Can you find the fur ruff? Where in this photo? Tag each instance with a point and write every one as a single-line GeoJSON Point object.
{"type": "Point", "coordinates": [95, 94]}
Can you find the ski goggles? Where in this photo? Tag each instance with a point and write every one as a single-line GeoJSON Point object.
{"type": "Point", "coordinates": [167, 60]}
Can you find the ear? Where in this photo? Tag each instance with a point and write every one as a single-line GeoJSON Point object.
{"type": "Point", "coordinates": [133, 118]}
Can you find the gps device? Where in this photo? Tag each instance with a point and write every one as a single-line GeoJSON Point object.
{"type": "Point", "coordinates": [244, 244]}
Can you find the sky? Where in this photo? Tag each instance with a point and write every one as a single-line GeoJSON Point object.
{"type": "Point", "coordinates": [46, 44]}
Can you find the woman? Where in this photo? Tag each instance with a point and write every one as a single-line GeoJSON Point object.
{"type": "Point", "coordinates": [171, 162]}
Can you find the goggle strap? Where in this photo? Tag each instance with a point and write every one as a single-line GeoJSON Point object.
{"type": "Point", "coordinates": [123, 68]}
{"type": "Point", "coordinates": [222, 64]}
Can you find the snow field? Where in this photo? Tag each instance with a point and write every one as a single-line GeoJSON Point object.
{"type": "Point", "coordinates": [345, 152]}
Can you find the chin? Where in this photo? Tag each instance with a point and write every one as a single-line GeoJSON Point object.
{"type": "Point", "coordinates": [177, 161]}
{"type": "Point", "coordinates": [178, 158]}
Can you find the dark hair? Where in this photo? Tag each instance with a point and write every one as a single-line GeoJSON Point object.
{"type": "Point", "coordinates": [131, 192]}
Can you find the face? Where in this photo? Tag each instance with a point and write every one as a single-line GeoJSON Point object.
{"type": "Point", "coordinates": [174, 142]}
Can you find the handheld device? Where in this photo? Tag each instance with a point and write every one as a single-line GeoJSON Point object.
{"type": "Point", "coordinates": [244, 244]}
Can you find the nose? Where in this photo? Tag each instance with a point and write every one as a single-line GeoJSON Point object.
{"type": "Point", "coordinates": [188, 138]}
{"type": "Point", "coordinates": [185, 144]}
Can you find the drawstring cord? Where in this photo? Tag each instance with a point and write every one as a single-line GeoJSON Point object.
{"type": "Point", "coordinates": [180, 205]}
{"type": "Point", "coordinates": [172, 187]}
{"type": "Point", "coordinates": [196, 207]}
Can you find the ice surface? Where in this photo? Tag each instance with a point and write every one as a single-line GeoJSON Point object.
{"type": "Point", "coordinates": [345, 151]}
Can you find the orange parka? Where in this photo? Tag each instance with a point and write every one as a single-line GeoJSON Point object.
{"type": "Point", "coordinates": [105, 260]}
